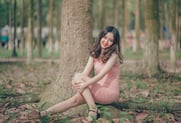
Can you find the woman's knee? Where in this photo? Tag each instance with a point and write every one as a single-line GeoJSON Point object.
{"type": "Point", "coordinates": [77, 100]}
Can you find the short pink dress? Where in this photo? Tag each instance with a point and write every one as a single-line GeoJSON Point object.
{"type": "Point", "coordinates": [106, 90]}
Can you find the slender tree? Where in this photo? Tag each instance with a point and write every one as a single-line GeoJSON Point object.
{"type": "Point", "coordinates": [14, 54]}
{"type": "Point", "coordinates": [50, 27]}
{"type": "Point", "coordinates": [30, 32]}
{"type": "Point", "coordinates": [162, 18]}
{"type": "Point", "coordinates": [58, 15]}
{"type": "Point", "coordinates": [123, 26]}
{"type": "Point", "coordinates": [10, 11]}
{"type": "Point", "coordinates": [116, 13]}
{"type": "Point", "coordinates": [101, 14]}
{"type": "Point", "coordinates": [39, 38]}
{"type": "Point", "coordinates": [22, 45]}
{"type": "Point", "coordinates": [151, 59]}
{"type": "Point", "coordinates": [173, 44]}
{"type": "Point", "coordinates": [136, 44]}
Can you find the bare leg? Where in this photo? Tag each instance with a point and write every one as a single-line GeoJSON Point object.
{"type": "Point", "coordinates": [78, 99]}
{"type": "Point", "coordinates": [65, 105]}
{"type": "Point", "coordinates": [89, 99]}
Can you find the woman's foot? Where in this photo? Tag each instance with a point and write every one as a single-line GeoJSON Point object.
{"type": "Point", "coordinates": [92, 115]}
{"type": "Point", "coordinates": [37, 115]}
{"type": "Point", "coordinates": [34, 115]}
{"type": "Point", "coordinates": [43, 113]}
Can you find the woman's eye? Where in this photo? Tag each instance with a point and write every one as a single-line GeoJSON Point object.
{"type": "Point", "coordinates": [110, 40]}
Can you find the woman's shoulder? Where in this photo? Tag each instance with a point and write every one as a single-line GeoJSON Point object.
{"type": "Point", "coordinates": [114, 55]}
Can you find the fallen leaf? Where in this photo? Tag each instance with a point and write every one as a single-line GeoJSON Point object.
{"type": "Point", "coordinates": [140, 117]}
{"type": "Point", "coordinates": [145, 93]}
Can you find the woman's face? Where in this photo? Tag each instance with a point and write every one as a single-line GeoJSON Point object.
{"type": "Point", "coordinates": [107, 40]}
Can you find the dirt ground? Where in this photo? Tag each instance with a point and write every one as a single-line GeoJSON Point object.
{"type": "Point", "coordinates": [18, 79]}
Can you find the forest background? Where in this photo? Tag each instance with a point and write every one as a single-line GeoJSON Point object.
{"type": "Point", "coordinates": [46, 35]}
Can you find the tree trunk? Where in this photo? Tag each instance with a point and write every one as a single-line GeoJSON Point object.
{"type": "Point", "coordinates": [30, 32]}
{"type": "Point", "coordinates": [76, 35]}
{"type": "Point", "coordinates": [136, 44]}
{"type": "Point", "coordinates": [173, 44]}
{"type": "Point", "coordinates": [50, 28]}
{"type": "Point", "coordinates": [101, 14]}
{"type": "Point", "coordinates": [123, 27]}
{"type": "Point", "coordinates": [14, 54]}
{"type": "Point", "coordinates": [58, 14]}
{"type": "Point", "coordinates": [39, 38]}
{"type": "Point", "coordinates": [22, 44]}
{"type": "Point", "coordinates": [10, 43]}
{"type": "Point", "coordinates": [116, 13]}
{"type": "Point", "coordinates": [151, 59]}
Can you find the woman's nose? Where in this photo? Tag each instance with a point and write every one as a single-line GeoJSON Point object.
{"type": "Point", "coordinates": [106, 40]}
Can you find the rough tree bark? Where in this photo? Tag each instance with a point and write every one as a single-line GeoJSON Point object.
{"type": "Point", "coordinates": [76, 35]}
{"type": "Point", "coordinates": [173, 43]}
{"type": "Point", "coordinates": [151, 59]}
{"type": "Point", "coordinates": [30, 33]}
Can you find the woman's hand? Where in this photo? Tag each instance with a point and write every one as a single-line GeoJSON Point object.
{"type": "Point", "coordinates": [79, 82]}
{"type": "Point", "coordinates": [82, 87]}
{"type": "Point", "coordinates": [79, 86]}
{"type": "Point", "coordinates": [77, 78]}
{"type": "Point", "coordinates": [76, 84]}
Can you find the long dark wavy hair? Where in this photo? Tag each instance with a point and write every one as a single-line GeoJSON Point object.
{"type": "Point", "coordinates": [95, 50]}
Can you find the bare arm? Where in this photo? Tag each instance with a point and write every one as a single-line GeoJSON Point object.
{"type": "Point", "coordinates": [88, 67]}
{"type": "Point", "coordinates": [84, 76]}
{"type": "Point", "coordinates": [109, 64]}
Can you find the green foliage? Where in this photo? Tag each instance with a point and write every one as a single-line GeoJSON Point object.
{"type": "Point", "coordinates": [127, 75]}
{"type": "Point", "coordinates": [45, 119]}
{"type": "Point", "coordinates": [139, 99]}
{"type": "Point", "coordinates": [3, 13]}
{"type": "Point", "coordinates": [12, 116]}
{"type": "Point", "coordinates": [104, 112]}
{"type": "Point", "coordinates": [4, 53]}
{"type": "Point", "coordinates": [4, 92]}
{"type": "Point", "coordinates": [129, 85]}
{"type": "Point", "coordinates": [140, 85]}
{"type": "Point", "coordinates": [124, 116]}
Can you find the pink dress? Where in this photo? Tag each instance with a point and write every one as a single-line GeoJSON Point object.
{"type": "Point", "coordinates": [106, 90]}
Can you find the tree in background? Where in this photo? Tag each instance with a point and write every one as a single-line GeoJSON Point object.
{"type": "Point", "coordinates": [14, 54]}
{"type": "Point", "coordinates": [50, 28]}
{"type": "Point", "coordinates": [101, 14]}
{"type": "Point", "coordinates": [76, 35]}
{"type": "Point", "coordinates": [151, 59]}
{"type": "Point", "coordinates": [136, 44]}
{"type": "Point", "coordinates": [30, 37]}
{"type": "Point", "coordinates": [10, 11]}
{"type": "Point", "coordinates": [22, 44]}
{"type": "Point", "coordinates": [173, 44]}
{"type": "Point", "coordinates": [123, 26]}
{"type": "Point", "coordinates": [39, 38]}
{"type": "Point", "coordinates": [58, 20]}
{"type": "Point", "coordinates": [116, 13]}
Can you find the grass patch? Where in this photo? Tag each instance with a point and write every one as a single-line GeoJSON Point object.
{"type": "Point", "coordinates": [4, 53]}
{"type": "Point", "coordinates": [164, 54]}
{"type": "Point", "coordinates": [140, 85]}
{"type": "Point", "coordinates": [129, 54]}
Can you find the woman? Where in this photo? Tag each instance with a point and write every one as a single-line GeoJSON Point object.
{"type": "Point", "coordinates": [103, 87]}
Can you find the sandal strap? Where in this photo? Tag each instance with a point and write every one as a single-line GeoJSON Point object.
{"type": "Point", "coordinates": [92, 110]}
